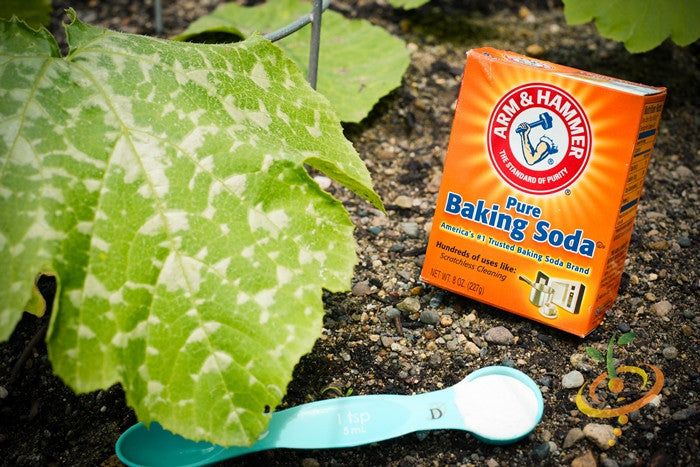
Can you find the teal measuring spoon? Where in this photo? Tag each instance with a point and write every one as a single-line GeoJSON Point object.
{"type": "Point", "coordinates": [497, 404]}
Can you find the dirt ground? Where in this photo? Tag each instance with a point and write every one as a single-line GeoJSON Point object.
{"type": "Point", "coordinates": [403, 143]}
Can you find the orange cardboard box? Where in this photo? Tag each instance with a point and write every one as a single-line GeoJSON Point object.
{"type": "Point", "coordinates": [543, 173]}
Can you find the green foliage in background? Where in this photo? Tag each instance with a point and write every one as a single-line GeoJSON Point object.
{"type": "Point", "coordinates": [163, 184]}
{"type": "Point", "coordinates": [407, 4]}
{"type": "Point", "coordinates": [640, 24]}
{"type": "Point", "coordinates": [34, 12]}
{"type": "Point", "coordinates": [359, 63]}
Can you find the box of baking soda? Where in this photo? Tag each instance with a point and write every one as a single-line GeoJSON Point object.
{"type": "Point", "coordinates": [540, 186]}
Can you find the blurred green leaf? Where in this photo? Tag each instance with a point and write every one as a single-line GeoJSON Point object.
{"type": "Point", "coordinates": [640, 24]}
{"type": "Point", "coordinates": [33, 12]}
{"type": "Point", "coordinates": [407, 4]}
{"type": "Point", "coordinates": [359, 63]}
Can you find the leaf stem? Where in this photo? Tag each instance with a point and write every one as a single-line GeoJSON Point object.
{"type": "Point", "coordinates": [609, 360]}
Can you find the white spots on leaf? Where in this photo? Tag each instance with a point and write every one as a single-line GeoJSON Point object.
{"type": "Point", "coordinates": [201, 333]}
{"type": "Point", "coordinates": [267, 162]}
{"type": "Point", "coordinates": [284, 275]}
{"type": "Point", "coordinates": [150, 350]}
{"type": "Point", "coordinates": [155, 387]}
{"type": "Point", "coordinates": [120, 340]}
{"type": "Point", "coordinates": [216, 362]}
{"type": "Point", "coordinates": [242, 298]}
{"type": "Point", "coordinates": [259, 76]}
{"type": "Point", "coordinates": [282, 116]}
{"type": "Point", "coordinates": [225, 229]}
{"type": "Point", "coordinates": [262, 117]}
{"type": "Point", "coordinates": [116, 298]}
{"type": "Point", "coordinates": [248, 252]}
{"type": "Point", "coordinates": [52, 192]}
{"type": "Point", "coordinates": [85, 332]}
{"type": "Point", "coordinates": [41, 228]}
{"type": "Point", "coordinates": [84, 227]}
{"type": "Point", "coordinates": [305, 256]}
{"type": "Point", "coordinates": [16, 250]}
{"type": "Point", "coordinates": [202, 253]}
{"type": "Point", "coordinates": [315, 130]}
{"type": "Point", "coordinates": [75, 297]}
{"type": "Point", "coordinates": [92, 185]}
{"type": "Point", "coordinates": [276, 352]}
{"type": "Point", "coordinates": [181, 272]}
{"type": "Point", "coordinates": [99, 243]}
{"type": "Point", "coordinates": [192, 313]}
{"type": "Point", "coordinates": [271, 221]}
{"type": "Point", "coordinates": [93, 287]}
{"type": "Point", "coordinates": [72, 353]}
{"type": "Point", "coordinates": [123, 156]}
{"type": "Point", "coordinates": [221, 266]}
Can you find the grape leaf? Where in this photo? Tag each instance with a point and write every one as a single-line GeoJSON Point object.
{"type": "Point", "coordinates": [164, 184]}
{"type": "Point", "coordinates": [407, 4]}
{"type": "Point", "coordinates": [640, 24]}
{"type": "Point", "coordinates": [359, 63]}
{"type": "Point", "coordinates": [34, 12]}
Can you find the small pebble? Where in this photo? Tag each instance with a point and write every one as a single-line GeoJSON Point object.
{"type": "Point", "coordinates": [403, 201]}
{"type": "Point", "coordinates": [600, 434]}
{"type": "Point", "coordinates": [387, 341]}
{"type": "Point", "coordinates": [683, 241]}
{"type": "Point", "coordinates": [573, 379]}
{"type": "Point", "coordinates": [436, 300]}
{"type": "Point", "coordinates": [361, 289]}
{"type": "Point", "coordinates": [670, 352]}
{"type": "Point", "coordinates": [662, 308]}
{"type": "Point", "coordinates": [685, 414]}
{"type": "Point", "coordinates": [499, 335]}
{"type": "Point", "coordinates": [392, 313]}
{"type": "Point", "coordinates": [409, 305]}
{"type": "Point", "coordinates": [410, 228]}
{"type": "Point", "coordinates": [650, 297]}
{"type": "Point", "coordinates": [688, 314]}
{"type": "Point", "coordinates": [472, 348]}
{"type": "Point", "coordinates": [3, 392]}
{"type": "Point", "coordinates": [573, 436]}
{"type": "Point", "coordinates": [624, 327]}
{"type": "Point", "coordinates": [545, 381]}
{"type": "Point", "coordinates": [375, 230]}
{"type": "Point", "coordinates": [541, 451]}
{"type": "Point", "coordinates": [429, 317]}
{"type": "Point", "coordinates": [608, 462]}
{"type": "Point", "coordinates": [491, 462]}
{"type": "Point", "coordinates": [445, 320]}
{"type": "Point", "coordinates": [535, 50]}
{"type": "Point", "coordinates": [586, 460]}
{"type": "Point", "coordinates": [310, 462]}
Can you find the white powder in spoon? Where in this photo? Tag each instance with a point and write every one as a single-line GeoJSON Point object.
{"type": "Point", "coordinates": [497, 406]}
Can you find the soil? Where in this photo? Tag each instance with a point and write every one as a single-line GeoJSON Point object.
{"type": "Point", "coordinates": [403, 142]}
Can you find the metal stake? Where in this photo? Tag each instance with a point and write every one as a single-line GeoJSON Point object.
{"type": "Point", "coordinates": [158, 13]}
{"type": "Point", "coordinates": [316, 17]}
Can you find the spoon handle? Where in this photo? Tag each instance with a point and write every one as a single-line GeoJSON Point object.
{"type": "Point", "coordinates": [352, 421]}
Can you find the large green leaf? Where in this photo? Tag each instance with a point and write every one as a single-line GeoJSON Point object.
{"type": "Point", "coordinates": [407, 4]}
{"type": "Point", "coordinates": [164, 184]}
{"type": "Point", "coordinates": [34, 12]}
{"type": "Point", "coordinates": [359, 63]}
{"type": "Point", "coordinates": [640, 24]}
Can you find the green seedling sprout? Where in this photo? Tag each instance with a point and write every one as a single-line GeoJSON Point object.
{"type": "Point", "coordinates": [614, 382]}
{"type": "Point", "coordinates": [337, 391]}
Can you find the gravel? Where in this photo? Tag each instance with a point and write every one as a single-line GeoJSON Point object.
{"type": "Point", "coordinates": [499, 335]}
{"type": "Point", "coordinates": [600, 434]}
{"type": "Point", "coordinates": [573, 379]}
